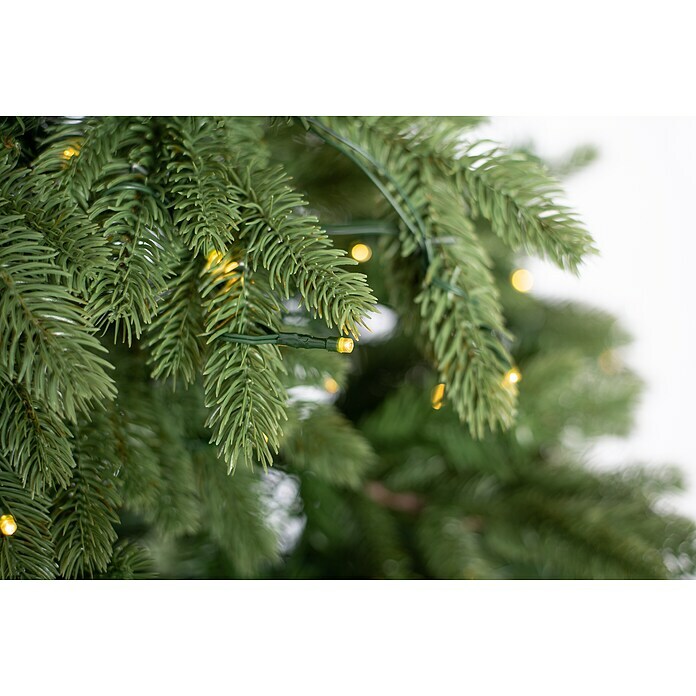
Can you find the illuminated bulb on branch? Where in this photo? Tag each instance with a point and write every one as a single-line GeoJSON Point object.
{"type": "Point", "coordinates": [609, 362]}
{"type": "Point", "coordinates": [214, 258]}
{"type": "Point", "coordinates": [70, 152]}
{"type": "Point", "coordinates": [344, 345]}
{"type": "Point", "coordinates": [331, 385]}
{"type": "Point", "coordinates": [215, 263]}
{"type": "Point", "coordinates": [8, 526]}
{"type": "Point", "coordinates": [217, 267]}
{"type": "Point", "coordinates": [361, 253]}
{"type": "Point", "coordinates": [512, 377]}
{"type": "Point", "coordinates": [438, 396]}
{"type": "Point", "coordinates": [522, 280]}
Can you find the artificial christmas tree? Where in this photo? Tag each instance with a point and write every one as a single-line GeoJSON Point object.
{"type": "Point", "coordinates": [171, 313]}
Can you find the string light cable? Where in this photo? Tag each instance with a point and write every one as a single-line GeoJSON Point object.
{"type": "Point", "coordinates": [337, 344]}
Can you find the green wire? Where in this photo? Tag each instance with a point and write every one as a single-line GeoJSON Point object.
{"type": "Point", "coordinates": [339, 344]}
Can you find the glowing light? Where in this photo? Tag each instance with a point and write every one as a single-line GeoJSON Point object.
{"type": "Point", "coordinates": [361, 252]}
{"type": "Point", "coordinates": [438, 396]}
{"type": "Point", "coordinates": [217, 267]}
{"type": "Point", "coordinates": [8, 526]}
{"type": "Point", "coordinates": [345, 345]}
{"type": "Point", "coordinates": [522, 280]}
{"type": "Point", "coordinates": [214, 258]}
{"type": "Point", "coordinates": [331, 385]}
{"type": "Point", "coordinates": [609, 362]}
{"type": "Point", "coordinates": [70, 152]}
{"type": "Point", "coordinates": [512, 377]}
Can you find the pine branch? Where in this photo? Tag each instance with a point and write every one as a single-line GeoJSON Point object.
{"type": "Point", "coordinates": [109, 167]}
{"type": "Point", "coordinates": [245, 142]}
{"type": "Point", "coordinates": [13, 129]}
{"type": "Point", "coordinates": [204, 208]}
{"type": "Point", "coordinates": [575, 539]}
{"type": "Point", "coordinates": [133, 432]}
{"type": "Point", "coordinates": [46, 208]}
{"type": "Point", "coordinates": [399, 420]}
{"type": "Point", "coordinates": [85, 513]}
{"type": "Point", "coordinates": [520, 199]}
{"type": "Point", "coordinates": [460, 313]}
{"type": "Point", "coordinates": [383, 546]}
{"type": "Point", "coordinates": [77, 150]}
{"type": "Point", "coordinates": [462, 320]}
{"type": "Point", "coordinates": [329, 513]}
{"type": "Point", "coordinates": [175, 337]}
{"type": "Point", "coordinates": [28, 553]}
{"type": "Point", "coordinates": [243, 386]}
{"type": "Point", "coordinates": [296, 253]}
{"type": "Point", "coordinates": [129, 561]}
{"type": "Point", "coordinates": [569, 325]}
{"type": "Point", "coordinates": [47, 344]}
{"type": "Point", "coordinates": [424, 136]}
{"type": "Point", "coordinates": [393, 170]}
{"type": "Point", "coordinates": [327, 445]}
{"type": "Point", "coordinates": [514, 191]}
{"type": "Point", "coordinates": [565, 388]}
{"type": "Point", "coordinates": [178, 510]}
{"type": "Point", "coordinates": [235, 517]}
{"type": "Point", "coordinates": [525, 516]}
{"type": "Point", "coordinates": [452, 546]}
{"type": "Point", "coordinates": [157, 474]}
{"type": "Point", "coordinates": [133, 221]}
{"type": "Point", "coordinates": [35, 440]}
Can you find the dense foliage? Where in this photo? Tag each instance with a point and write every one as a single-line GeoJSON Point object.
{"type": "Point", "coordinates": [151, 424]}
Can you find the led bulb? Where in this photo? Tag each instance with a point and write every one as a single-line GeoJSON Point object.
{"type": "Point", "coordinates": [512, 377]}
{"type": "Point", "coordinates": [70, 152]}
{"type": "Point", "coordinates": [361, 252]}
{"type": "Point", "coordinates": [214, 258]}
{"type": "Point", "coordinates": [609, 362]}
{"type": "Point", "coordinates": [344, 345]}
{"type": "Point", "coordinates": [522, 280]}
{"type": "Point", "coordinates": [438, 395]}
{"type": "Point", "coordinates": [8, 526]}
{"type": "Point", "coordinates": [331, 385]}
{"type": "Point", "coordinates": [220, 268]}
